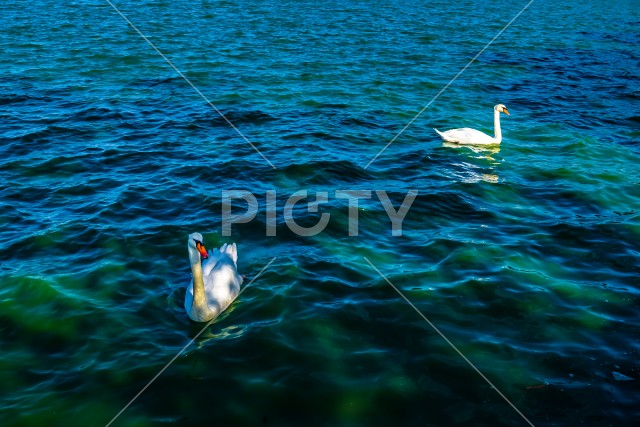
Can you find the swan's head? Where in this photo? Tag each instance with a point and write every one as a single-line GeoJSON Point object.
{"type": "Point", "coordinates": [500, 108]}
{"type": "Point", "coordinates": [196, 246]}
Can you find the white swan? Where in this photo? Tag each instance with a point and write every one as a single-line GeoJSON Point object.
{"type": "Point", "coordinates": [470, 136]}
{"type": "Point", "coordinates": [215, 283]}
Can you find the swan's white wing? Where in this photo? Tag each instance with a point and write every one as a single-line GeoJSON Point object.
{"type": "Point", "coordinates": [217, 255]}
{"type": "Point", "coordinates": [466, 136]}
{"type": "Point", "coordinates": [222, 284]}
{"type": "Point", "coordinates": [209, 263]}
{"type": "Point", "coordinates": [221, 278]}
{"type": "Point", "coordinates": [230, 250]}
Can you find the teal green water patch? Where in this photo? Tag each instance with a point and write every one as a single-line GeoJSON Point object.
{"type": "Point", "coordinates": [37, 306]}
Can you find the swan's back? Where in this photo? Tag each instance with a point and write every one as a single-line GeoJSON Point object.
{"type": "Point", "coordinates": [466, 136]}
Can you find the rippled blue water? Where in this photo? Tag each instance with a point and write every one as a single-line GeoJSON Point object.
{"type": "Point", "coordinates": [525, 257]}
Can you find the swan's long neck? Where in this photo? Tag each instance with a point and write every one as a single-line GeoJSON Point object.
{"type": "Point", "coordinates": [199, 299]}
{"type": "Point", "coordinates": [496, 126]}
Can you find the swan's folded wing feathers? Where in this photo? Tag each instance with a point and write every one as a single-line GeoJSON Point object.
{"type": "Point", "coordinates": [229, 250]}
{"type": "Point", "coordinates": [209, 263]}
{"type": "Point", "coordinates": [465, 136]}
{"type": "Point", "coordinates": [233, 253]}
{"type": "Point", "coordinates": [453, 135]}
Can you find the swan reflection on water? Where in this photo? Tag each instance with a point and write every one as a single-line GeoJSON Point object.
{"type": "Point", "coordinates": [470, 173]}
{"type": "Point", "coordinates": [485, 151]}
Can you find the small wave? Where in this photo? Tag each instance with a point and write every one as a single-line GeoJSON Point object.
{"type": "Point", "coordinates": [325, 172]}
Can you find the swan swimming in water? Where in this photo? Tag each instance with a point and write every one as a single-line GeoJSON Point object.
{"type": "Point", "coordinates": [215, 283]}
{"type": "Point", "coordinates": [470, 136]}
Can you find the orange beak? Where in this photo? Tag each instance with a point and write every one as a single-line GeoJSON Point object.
{"type": "Point", "coordinates": [203, 251]}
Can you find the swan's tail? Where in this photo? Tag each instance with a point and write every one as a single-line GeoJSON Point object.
{"type": "Point", "coordinates": [439, 133]}
{"type": "Point", "coordinates": [230, 250]}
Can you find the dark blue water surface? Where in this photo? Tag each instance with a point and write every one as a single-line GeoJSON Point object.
{"type": "Point", "coordinates": [525, 257]}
